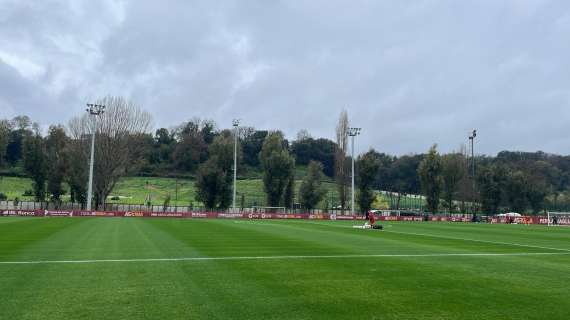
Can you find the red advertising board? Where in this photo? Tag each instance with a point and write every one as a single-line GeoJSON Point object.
{"type": "Point", "coordinates": [21, 213]}
{"type": "Point", "coordinates": [58, 213]}
{"type": "Point", "coordinates": [167, 214]}
{"type": "Point", "coordinates": [98, 213]}
{"type": "Point", "coordinates": [214, 215]}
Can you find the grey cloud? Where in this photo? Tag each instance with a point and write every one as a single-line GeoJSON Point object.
{"type": "Point", "coordinates": [410, 73]}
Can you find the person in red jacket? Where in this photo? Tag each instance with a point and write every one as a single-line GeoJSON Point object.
{"type": "Point", "coordinates": [371, 219]}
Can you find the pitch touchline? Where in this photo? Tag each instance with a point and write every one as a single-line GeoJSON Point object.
{"type": "Point", "coordinates": [291, 257]}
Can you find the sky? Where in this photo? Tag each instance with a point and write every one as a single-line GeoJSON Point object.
{"type": "Point", "coordinates": [409, 73]}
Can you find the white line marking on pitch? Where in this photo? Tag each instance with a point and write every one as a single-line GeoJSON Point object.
{"type": "Point", "coordinates": [476, 240]}
{"type": "Point", "coordinates": [291, 257]}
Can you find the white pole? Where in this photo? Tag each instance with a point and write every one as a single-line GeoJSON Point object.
{"type": "Point", "coordinates": [235, 165]}
{"type": "Point", "coordinates": [352, 204]}
{"type": "Point", "coordinates": [90, 186]}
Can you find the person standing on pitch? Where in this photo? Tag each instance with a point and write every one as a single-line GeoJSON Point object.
{"type": "Point", "coordinates": [371, 219]}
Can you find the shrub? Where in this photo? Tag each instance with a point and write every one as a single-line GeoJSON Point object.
{"type": "Point", "coordinates": [3, 197]}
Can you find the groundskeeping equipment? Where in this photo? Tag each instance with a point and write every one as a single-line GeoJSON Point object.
{"type": "Point", "coordinates": [367, 225]}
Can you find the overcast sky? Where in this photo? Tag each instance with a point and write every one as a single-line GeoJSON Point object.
{"type": "Point", "coordinates": [410, 73]}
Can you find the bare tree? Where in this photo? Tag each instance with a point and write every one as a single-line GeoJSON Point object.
{"type": "Point", "coordinates": [341, 163]}
{"type": "Point", "coordinates": [117, 131]}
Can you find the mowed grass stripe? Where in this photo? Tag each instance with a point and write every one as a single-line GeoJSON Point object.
{"type": "Point", "coordinates": [478, 240]}
{"type": "Point", "coordinates": [493, 234]}
{"type": "Point", "coordinates": [535, 235]}
{"type": "Point", "coordinates": [401, 240]}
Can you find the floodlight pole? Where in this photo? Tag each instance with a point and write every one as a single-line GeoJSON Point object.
{"type": "Point", "coordinates": [236, 126]}
{"type": "Point", "coordinates": [353, 132]}
{"type": "Point", "coordinates": [93, 110]}
{"type": "Point", "coordinates": [472, 136]}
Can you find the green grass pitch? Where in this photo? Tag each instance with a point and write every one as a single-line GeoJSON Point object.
{"type": "Point", "coordinates": [144, 268]}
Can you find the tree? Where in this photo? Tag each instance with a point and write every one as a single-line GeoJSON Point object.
{"type": "Point", "coordinates": [5, 129]}
{"type": "Point", "coordinates": [311, 191]}
{"type": "Point", "coordinates": [307, 149]}
{"type": "Point", "coordinates": [516, 191]}
{"type": "Point", "coordinates": [21, 126]}
{"type": "Point", "coordinates": [539, 175]}
{"type": "Point", "coordinates": [289, 190]}
{"type": "Point", "coordinates": [403, 176]}
{"type": "Point", "coordinates": [278, 169]}
{"type": "Point", "coordinates": [491, 181]}
{"type": "Point", "coordinates": [77, 167]}
{"type": "Point", "coordinates": [116, 132]}
{"type": "Point", "coordinates": [341, 162]}
{"type": "Point", "coordinates": [160, 154]}
{"type": "Point", "coordinates": [465, 188]}
{"type": "Point", "coordinates": [191, 149]}
{"type": "Point", "coordinates": [35, 163]}
{"type": "Point", "coordinates": [210, 183]}
{"type": "Point", "coordinates": [368, 167]}
{"type": "Point", "coordinates": [214, 177]}
{"type": "Point", "coordinates": [452, 172]}
{"type": "Point", "coordinates": [56, 162]}
{"type": "Point", "coordinates": [252, 144]}
{"type": "Point", "coordinates": [429, 173]}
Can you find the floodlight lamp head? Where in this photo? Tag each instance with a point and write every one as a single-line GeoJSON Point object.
{"type": "Point", "coordinates": [235, 122]}
{"type": "Point", "coordinates": [353, 131]}
{"type": "Point", "coordinates": [95, 109]}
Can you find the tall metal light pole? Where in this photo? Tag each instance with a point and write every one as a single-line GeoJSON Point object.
{"type": "Point", "coordinates": [94, 110]}
{"type": "Point", "coordinates": [472, 136]}
{"type": "Point", "coordinates": [235, 123]}
{"type": "Point", "coordinates": [353, 132]}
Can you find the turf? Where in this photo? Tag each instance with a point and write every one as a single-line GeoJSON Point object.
{"type": "Point", "coordinates": [413, 275]}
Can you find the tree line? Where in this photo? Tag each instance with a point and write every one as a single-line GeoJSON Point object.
{"type": "Point", "coordinates": [125, 146]}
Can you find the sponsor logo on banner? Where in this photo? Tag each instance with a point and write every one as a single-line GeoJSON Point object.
{"type": "Point", "coordinates": [344, 218]}
{"type": "Point", "coordinates": [85, 213]}
{"type": "Point", "coordinates": [199, 215]}
{"type": "Point", "coordinates": [103, 214]}
{"type": "Point", "coordinates": [134, 214]}
{"type": "Point", "coordinates": [286, 216]}
{"type": "Point", "coordinates": [58, 213]}
{"type": "Point", "coordinates": [94, 214]}
{"type": "Point", "coordinates": [563, 220]}
{"type": "Point", "coordinates": [20, 213]}
{"type": "Point", "coordinates": [167, 214]}
{"type": "Point", "coordinates": [230, 215]}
